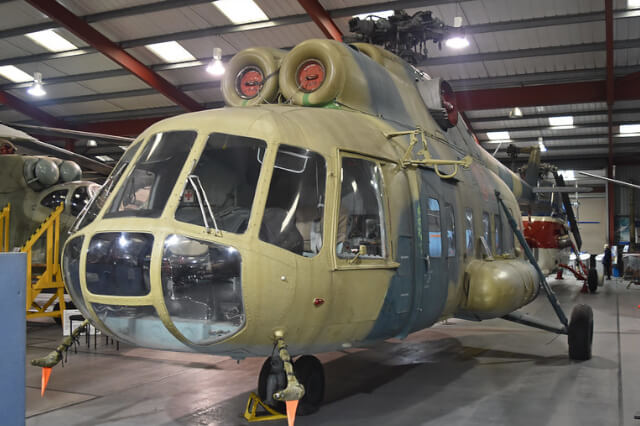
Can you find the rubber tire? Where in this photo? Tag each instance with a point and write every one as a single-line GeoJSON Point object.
{"type": "Point", "coordinates": [592, 280]}
{"type": "Point", "coordinates": [310, 373]}
{"type": "Point", "coordinates": [580, 333]}
{"type": "Point", "coordinates": [280, 407]}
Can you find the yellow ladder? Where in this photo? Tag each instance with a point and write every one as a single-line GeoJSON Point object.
{"type": "Point", "coordinates": [51, 278]}
{"type": "Point", "coordinates": [4, 228]}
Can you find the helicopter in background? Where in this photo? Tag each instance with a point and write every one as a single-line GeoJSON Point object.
{"type": "Point", "coordinates": [337, 201]}
{"type": "Point", "coordinates": [34, 185]}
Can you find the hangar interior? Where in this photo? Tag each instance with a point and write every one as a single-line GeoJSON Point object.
{"type": "Point", "coordinates": [559, 76]}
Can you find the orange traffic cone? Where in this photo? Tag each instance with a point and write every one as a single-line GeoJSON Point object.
{"type": "Point", "coordinates": [292, 406]}
{"type": "Point", "coordinates": [46, 373]}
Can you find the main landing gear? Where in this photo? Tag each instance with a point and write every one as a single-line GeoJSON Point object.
{"type": "Point", "coordinates": [580, 329]}
{"type": "Point", "coordinates": [284, 386]}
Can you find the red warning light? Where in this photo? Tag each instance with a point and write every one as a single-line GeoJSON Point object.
{"type": "Point", "coordinates": [310, 75]}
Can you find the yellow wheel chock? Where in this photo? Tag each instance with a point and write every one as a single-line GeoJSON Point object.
{"type": "Point", "coordinates": [250, 413]}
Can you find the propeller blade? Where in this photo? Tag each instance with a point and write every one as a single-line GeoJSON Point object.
{"type": "Point", "coordinates": [619, 182]}
{"type": "Point", "coordinates": [292, 407]}
{"type": "Point", "coordinates": [46, 374]}
{"type": "Point", "coordinates": [571, 217]}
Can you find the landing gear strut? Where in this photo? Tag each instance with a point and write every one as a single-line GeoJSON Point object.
{"type": "Point", "coordinates": [282, 381]}
{"type": "Point", "coordinates": [579, 329]}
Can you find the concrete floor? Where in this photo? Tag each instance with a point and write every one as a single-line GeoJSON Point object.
{"type": "Point", "coordinates": [460, 373]}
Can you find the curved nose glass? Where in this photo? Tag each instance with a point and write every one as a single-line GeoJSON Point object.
{"type": "Point", "coordinates": [202, 288]}
{"type": "Point", "coordinates": [118, 264]}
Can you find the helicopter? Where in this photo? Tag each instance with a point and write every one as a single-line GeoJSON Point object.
{"type": "Point", "coordinates": [34, 185]}
{"type": "Point", "coordinates": [337, 200]}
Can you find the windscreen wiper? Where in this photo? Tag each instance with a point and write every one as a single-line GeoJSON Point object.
{"type": "Point", "coordinates": [202, 195]}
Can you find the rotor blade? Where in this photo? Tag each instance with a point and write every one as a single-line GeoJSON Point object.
{"type": "Point", "coordinates": [568, 208]}
{"type": "Point", "coordinates": [67, 133]}
{"type": "Point", "coordinates": [84, 162]}
{"type": "Point", "coordinates": [563, 189]}
{"type": "Point", "coordinates": [619, 182]}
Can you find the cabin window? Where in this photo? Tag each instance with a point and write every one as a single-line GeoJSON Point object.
{"type": "Point", "coordinates": [451, 230]}
{"type": "Point", "coordinates": [294, 211]}
{"type": "Point", "coordinates": [486, 227]}
{"type": "Point", "coordinates": [81, 197]}
{"type": "Point", "coordinates": [468, 231]}
{"type": "Point", "coordinates": [53, 199]}
{"type": "Point", "coordinates": [146, 190]}
{"type": "Point", "coordinates": [225, 179]}
{"type": "Point", "coordinates": [498, 224]}
{"type": "Point", "coordinates": [361, 229]}
{"type": "Point", "coordinates": [435, 239]}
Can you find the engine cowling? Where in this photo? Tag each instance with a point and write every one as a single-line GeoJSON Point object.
{"type": "Point", "coordinates": [252, 77]}
{"type": "Point", "coordinates": [440, 99]}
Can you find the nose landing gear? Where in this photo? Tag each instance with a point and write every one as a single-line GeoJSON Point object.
{"type": "Point", "coordinates": [284, 386]}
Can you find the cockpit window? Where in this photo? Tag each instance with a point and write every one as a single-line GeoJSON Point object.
{"type": "Point", "coordinates": [53, 199]}
{"type": "Point", "coordinates": [225, 179]}
{"type": "Point", "coordinates": [146, 190]}
{"type": "Point", "coordinates": [98, 201]}
{"type": "Point", "coordinates": [294, 211]}
{"type": "Point", "coordinates": [81, 197]}
{"type": "Point", "coordinates": [361, 220]}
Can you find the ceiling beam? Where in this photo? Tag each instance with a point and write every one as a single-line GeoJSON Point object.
{"type": "Point", "coordinates": [87, 33]}
{"type": "Point", "coordinates": [121, 127]}
{"type": "Point", "coordinates": [322, 19]}
{"type": "Point", "coordinates": [528, 53]}
{"type": "Point", "coordinates": [30, 110]}
{"type": "Point", "coordinates": [552, 94]}
{"type": "Point", "coordinates": [597, 112]}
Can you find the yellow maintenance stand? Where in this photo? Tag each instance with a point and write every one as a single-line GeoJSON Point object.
{"type": "Point", "coordinates": [50, 277]}
{"type": "Point", "coordinates": [4, 228]}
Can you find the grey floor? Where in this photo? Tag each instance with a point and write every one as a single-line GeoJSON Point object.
{"type": "Point", "coordinates": [460, 373]}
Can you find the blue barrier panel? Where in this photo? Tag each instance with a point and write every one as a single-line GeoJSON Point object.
{"type": "Point", "coordinates": [13, 272]}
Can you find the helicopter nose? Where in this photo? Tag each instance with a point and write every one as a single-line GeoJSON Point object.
{"type": "Point", "coordinates": [198, 298]}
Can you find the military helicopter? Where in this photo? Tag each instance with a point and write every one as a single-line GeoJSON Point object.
{"type": "Point", "coordinates": [337, 201]}
{"type": "Point", "coordinates": [34, 185]}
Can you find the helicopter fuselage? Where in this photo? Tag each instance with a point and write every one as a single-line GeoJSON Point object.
{"type": "Point", "coordinates": [220, 228]}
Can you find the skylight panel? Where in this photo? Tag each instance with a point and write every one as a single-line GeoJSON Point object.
{"type": "Point", "coordinates": [241, 11]}
{"type": "Point", "coordinates": [564, 121]}
{"type": "Point", "coordinates": [629, 128]}
{"type": "Point", "coordinates": [171, 51]}
{"type": "Point", "coordinates": [15, 74]}
{"type": "Point", "coordinates": [52, 41]}
{"type": "Point", "coordinates": [498, 136]}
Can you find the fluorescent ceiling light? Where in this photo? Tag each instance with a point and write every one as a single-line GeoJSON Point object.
{"type": "Point", "coordinates": [629, 128]}
{"type": "Point", "coordinates": [14, 74]}
{"type": "Point", "coordinates": [104, 158]}
{"type": "Point", "coordinates": [498, 136]}
{"type": "Point", "coordinates": [567, 174]}
{"type": "Point", "coordinates": [241, 11]}
{"type": "Point", "coordinates": [633, 4]}
{"type": "Point", "coordinates": [52, 41]}
{"type": "Point", "coordinates": [375, 15]}
{"type": "Point", "coordinates": [561, 121]}
{"type": "Point", "coordinates": [170, 51]}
